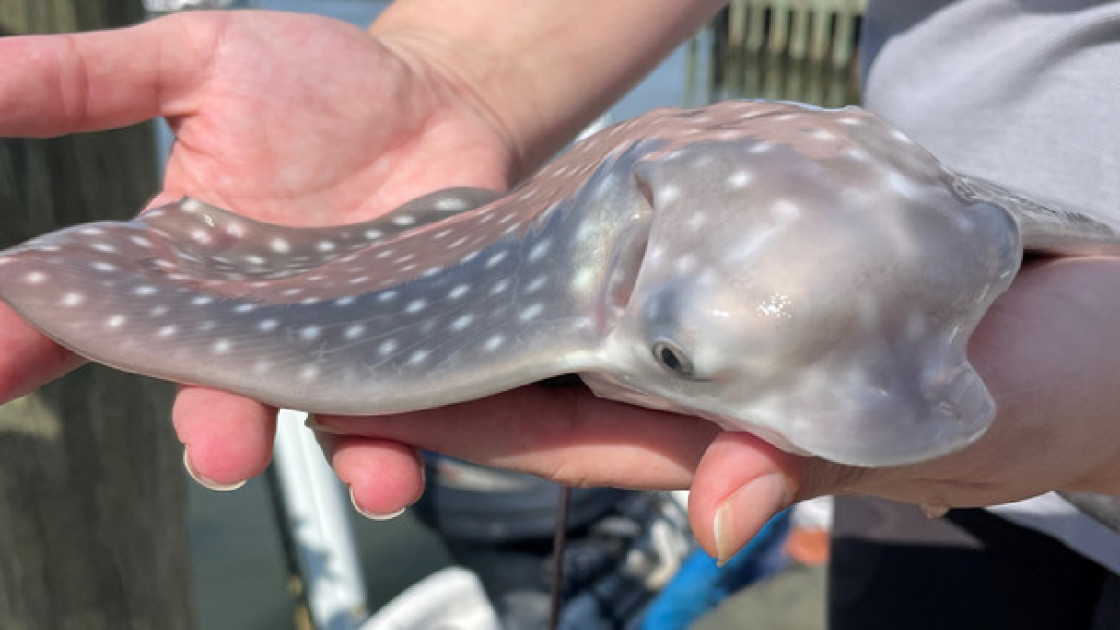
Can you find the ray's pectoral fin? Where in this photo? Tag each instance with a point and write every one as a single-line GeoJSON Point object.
{"type": "Point", "coordinates": [903, 409]}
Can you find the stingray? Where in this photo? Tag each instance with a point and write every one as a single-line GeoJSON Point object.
{"type": "Point", "coordinates": [812, 276]}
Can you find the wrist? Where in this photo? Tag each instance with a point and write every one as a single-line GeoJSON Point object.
{"type": "Point", "coordinates": [539, 71]}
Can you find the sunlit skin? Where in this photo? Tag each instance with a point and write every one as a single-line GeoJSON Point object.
{"type": "Point", "coordinates": [268, 126]}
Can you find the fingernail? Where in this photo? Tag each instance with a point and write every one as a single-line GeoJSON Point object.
{"type": "Point", "coordinates": [740, 516]}
{"type": "Point", "coordinates": [373, 516]}
{"type": "Point", "coordinates": [208, 483]}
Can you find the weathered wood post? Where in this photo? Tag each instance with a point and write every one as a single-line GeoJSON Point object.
{"type": "Point", "coordinates": [92, 496]}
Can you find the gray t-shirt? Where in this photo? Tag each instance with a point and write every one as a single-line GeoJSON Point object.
{"type": "Point", "coordinates": [1023, 92]}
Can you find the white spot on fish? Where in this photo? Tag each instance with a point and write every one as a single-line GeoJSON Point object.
{"type": "Point", "coordinates": [358, 280]}
{"type": "Point", "coordinates": [495, 259]}
{"type": "Point", "coordinates": [904, 186]}
{"type": "Point", "coordinates": [418, 356]}
{"type": "Point", "coordinates": [244, 307]}
{"type": "Point", "coordinates": [499, 286]}
{"type": "Point", "coordinates": [307, 333]}
{"type": "Point", "coordinates": [254, 259]}
{"type": "Point", "coordinates": [696, 220]}
{"type": "Point", "coordinates": [667, 194]}
{"type": "Point", "coordinates": [493, 343]}
{"type": "Point", "coordinates": [897, 134]}
{"type": "Point", "coordinates": [116, 321]}
{"type": "Point", "coordinates": [386, 296]}
{"type": "Point", "coordinates": [35, 277]}
{"type": "Point", "coordinates": [167, 331]}
{"type": "Point", "coordinates": [387, 347]}
{"type": "Point", "coordinates": [201, 300]}
{"type": "Point", "coordinates": [785, 210]}
{"type": "Point", "coordinates": [104, 247]}
{"type": "Point", "coordinates": [159, 311]}
{"type": "Point", "coordinates": [462, 322]}
{"type": "Point", "coordinates": [309, 372]}
{"type": "Point", "coordinates": [192, 205]}
{"type": "Point", "coordinates": [326, 246]}
{"type": "Point", "coordinates": [354, 331]}
{"type": "Point", "coordinates": [686, 264]}
{"type": "Point", "coordinates": [267, 325]}
{"type": "Point", "coordinates": [539, 250]}
{"type": "Point", "coordinates": [740, 179]}
{"type": "Point", "coordinates": [140, 240]}
{"type": "Point", "coordinates": [458, 292]}
{"type": "Point", "coordinates": [344, 301]}
{"type": "Point", "coordinates": [416, 306]}
{"type": "Point", "coordinates": [280, 246]}
{"type": "Point", "coordinates": [403, 219]}
{"type": "Point", "coordinates": [536, 284]}
{"type": "Point", "coordinates": [222, 346]}
{"type": "Point", "coordinates": [531, 312]}
{"type": "Point", "coordinates": [73, 299]}
{"type": "Point", "coordinates": [372, 235]}
{"type": "Point", "coordinates": [145, 289]}
{"type": "Point", "coordinates": [101, 265]}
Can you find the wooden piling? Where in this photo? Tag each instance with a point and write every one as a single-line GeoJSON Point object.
{"type": "Point", "coordinates": [93, 530]}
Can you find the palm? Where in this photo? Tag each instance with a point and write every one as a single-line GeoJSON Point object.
{"type": "Point", "coordinates": [284, 118]}
{"type": "Point", "coordinates": [308, 121]}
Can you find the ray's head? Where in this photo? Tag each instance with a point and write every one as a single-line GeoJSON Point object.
{"type": "Point", "coordinates": [817, 288]}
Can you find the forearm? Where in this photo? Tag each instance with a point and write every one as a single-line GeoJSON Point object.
{"type": "Point", "coordinates": [540, 69]}
{"type": "Point", "coordinates": [1050, 353]}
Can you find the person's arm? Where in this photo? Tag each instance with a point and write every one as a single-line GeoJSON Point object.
{"type": "Point", "coordinates": [540, 70]}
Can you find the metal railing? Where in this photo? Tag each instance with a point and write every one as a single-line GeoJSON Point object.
{"type": "Point", "coordinates": [818, 30]}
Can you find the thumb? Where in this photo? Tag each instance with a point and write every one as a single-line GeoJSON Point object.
{"type": "Point", "coordinates": [742, 481]}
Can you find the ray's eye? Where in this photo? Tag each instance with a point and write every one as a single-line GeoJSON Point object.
{"type": "Point", "coordinates": [674, 359]}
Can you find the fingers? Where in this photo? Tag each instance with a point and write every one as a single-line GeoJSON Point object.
{"type": "Point", "coordinates": [59, 84]}
{"type": "Point", "coordinates": [227, 438]}
{"type": "Point", "coordinates": [742, 481]}
{"type": "Point", "coordinates": [383, 477]}
{"type": "Point", "coordinates": [566, 434]}
{"type": "Point", "coordinates": [29, 359]}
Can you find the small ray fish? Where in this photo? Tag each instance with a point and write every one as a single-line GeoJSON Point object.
{"type": "Point", "coordinates": [809, 275]}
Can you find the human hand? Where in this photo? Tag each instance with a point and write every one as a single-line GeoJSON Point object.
{"type": "Point", "coordinates": [1047, 350]}
{"type": "Point", "coordinates": [306, 121]}
{"type": "Point", "coordinates": [281, 117]}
